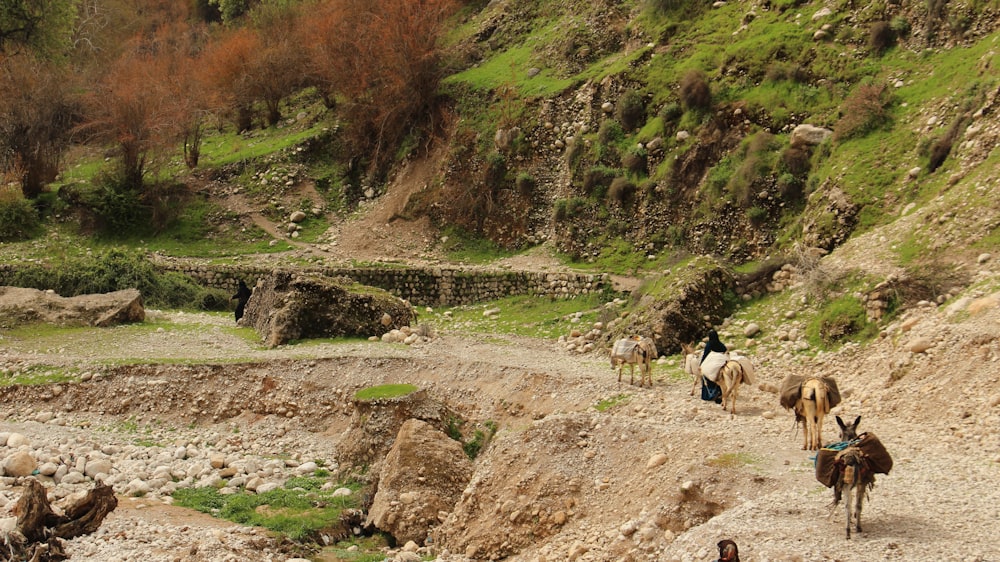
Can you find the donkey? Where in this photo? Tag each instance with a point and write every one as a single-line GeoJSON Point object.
{"type": "Point", "coordinates": [735, 372]}
{"type": "Point", "coordinates": [811, 407]}
{"type": "Point", "coordinates": [692, 364]}
{"type": "Point", "coordinates": [856, 475]}
{"type": "Point", "coordinates": [634, 351]}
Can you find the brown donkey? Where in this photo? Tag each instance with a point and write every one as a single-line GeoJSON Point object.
{"type": "Point", "coordinates": [855, 475]}
{"type": "Point", "coordinates": [634, 351]}
{"type": "Point", "coordinates": [811, 399]}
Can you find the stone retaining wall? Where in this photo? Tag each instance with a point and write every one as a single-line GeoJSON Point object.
{"type": "Point", "coordinates": [429, 286]}
{"type": "Point", "coordinates": [437, 286]}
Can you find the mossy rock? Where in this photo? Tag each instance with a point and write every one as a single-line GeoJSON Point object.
{"type": "Point", "coordinates": [287, 306]}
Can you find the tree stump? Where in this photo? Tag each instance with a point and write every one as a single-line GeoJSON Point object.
{"type": "Point", "coordinates": [40, 530]}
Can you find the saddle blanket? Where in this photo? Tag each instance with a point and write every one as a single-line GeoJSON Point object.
{"type": "Point", "coordinates": [712, 364]}
{"type": "Point", "coordinates": [877, 458]}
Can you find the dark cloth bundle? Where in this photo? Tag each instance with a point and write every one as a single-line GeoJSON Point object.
{"type": "Point", "coordinates": [791, 390]}
{"type": "Point", "coordinates": [877, 459]}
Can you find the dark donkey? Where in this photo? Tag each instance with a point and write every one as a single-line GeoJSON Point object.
{"type": "Point", "coordinates": [856, 474]}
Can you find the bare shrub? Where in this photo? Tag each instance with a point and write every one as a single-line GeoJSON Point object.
{"type": "Point", "coordinates": [863, 111]}
{"type": "Point", "coordinates": [796, 160]}
{"type": "Point", "coordinates": [942, 147]}
{"type": "Point", "coordinates": [881, 37]}
{"type": "Point", "coordinates": [36, 115]}
{"type": "Point", "coordinates": [622, 190]}
{"type": "Point", "coordinates": [695, 91]}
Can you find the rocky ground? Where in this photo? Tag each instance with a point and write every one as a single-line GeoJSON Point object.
{"type": "Point", "coordinates": [659, 476]}
{"type": "Point", "coordinates": [581, 468]}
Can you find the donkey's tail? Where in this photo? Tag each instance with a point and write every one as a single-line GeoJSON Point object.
{"type": "Point", "coordinates": [822, 404]}
{"type": "Point", "coordinates": [849, 474]}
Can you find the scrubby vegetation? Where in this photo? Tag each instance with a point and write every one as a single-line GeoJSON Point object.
{"type": "Point", "coordinates": [699, 118]}
{"type": "Point", "coordinates": [299, 510]}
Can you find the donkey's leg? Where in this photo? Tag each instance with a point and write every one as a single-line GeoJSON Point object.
{"type": "Point", "coordinates": [735, 390]}
{"type": "Point", "coordinates": [809, 413]}
{"type": "Point", "coordinates": [819, 430]}
{"type": "Point", "coordinates": [861, 487]}
{"type": "Point", "coordinates": [847, 507]}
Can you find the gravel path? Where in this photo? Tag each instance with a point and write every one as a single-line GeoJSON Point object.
{"type": "Point", "coordinates": [937, 411]}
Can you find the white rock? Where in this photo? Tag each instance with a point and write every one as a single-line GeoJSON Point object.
{"type": "Point", "coordinates": [15, 440]}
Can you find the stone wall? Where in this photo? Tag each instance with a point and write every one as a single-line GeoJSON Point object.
{"type": "Point", "coordinates": [432, 286]}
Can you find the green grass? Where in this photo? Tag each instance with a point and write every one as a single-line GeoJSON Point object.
{"type": "Point", "coordinates": [525, 315]}
{"type": "Point", "coordinates": [37, 375]}
{"type": "Point", "coordinates": [385, 391]}
{"type": "Point", "coordinates": [839, 321]}
{"type": "Point", "coordinates": [733, 460]}
{"type": "Point", "coordinates": [460, 247]}
{"type": "Point", "coordinates": [299, 510]}
{"type": "Point", "coordinates": [606, 404]}
{"type": "Point", "coordinates": [358, 549]}
{"type": "Point", "coordinates": [50, 338]}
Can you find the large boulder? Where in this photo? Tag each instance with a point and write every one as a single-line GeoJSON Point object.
{"type": "Point", "coordinates": [680, 307]}
{"type": "Point", "coordinates": [421, 480]}
{"type": "Point", "coordinates": [287, 306]}
{"type": "Point", "coordinates": [375, 424]}
{"type": "Point", "coordinates": [25, 306]}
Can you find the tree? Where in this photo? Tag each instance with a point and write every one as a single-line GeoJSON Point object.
{"type": "Point", "coordinates": [225, 68]}
{"type": "Point", "coordinates": [131, 107]}
{"type": "Point", "coordinates": [41, 26]}
{"type": "Point", "coordinates": [232, 10]}
{"type": "Point", "coordinates": [276, 70]}
{"type": "Point", "coordinates": [36, 115]}
{"type": "Point", "coordinates": [386, 58]}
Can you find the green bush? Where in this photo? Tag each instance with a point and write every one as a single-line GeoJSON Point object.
{"type": "Point", "coordinates": [597, 180]}
{"type": "Point", "coordinates": [496, 170]}
{"type": "Point", "coordinates": [757, 215]}
{"type": "Point", "coordinates": [116, 270]}
{"type": "Point", "coordinates": [671, 113]}
{"type": "Point", "coordinates": [635, 160]}
{"type": "Point", "coordinates": [610, 132]}
{"type": "Point", "coordinates": [900, 26]}
{"type": "Point", "coordinates": [525, 184]}
{"type": "Point", "coordinates": [631, 110]}
{"type": "Point", "coordinates": [18, 216]}
{"type": "Point", "coordinates": [117, 206]}
{"type": "Point", "coordinates": [841, 320]}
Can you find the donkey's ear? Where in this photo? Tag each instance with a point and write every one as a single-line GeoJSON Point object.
{"type": "Point", "coordinates": [857, 420]}
{"type": "Point", "coordinates": [841, 423]}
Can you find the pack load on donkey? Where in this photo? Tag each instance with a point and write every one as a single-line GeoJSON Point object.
{"type": "Point", "coordinates": [791, 390]}
{"type": "Point", "coordinates": [828, 459]}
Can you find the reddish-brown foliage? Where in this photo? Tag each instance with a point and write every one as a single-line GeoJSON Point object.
{"type": "Point", "coordinates": [383, 57]}
{"type": "Point", "coordinates": [863, 111]}
{"type": "Point", "coordinates": [36, 114]}
{"type": "Point", "coordinates": [132, 108]}
{"type": "Point", "coordinates": [226, 68]}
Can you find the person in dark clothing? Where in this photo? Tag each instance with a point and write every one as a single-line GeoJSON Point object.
{"type": "Point", "coordinates": [728, 552]}
{"type": "Point", "coordinates": [709, 389]}
{"type": "Point", "coordinates": [242, 296]}
{"type": "Point", "coordinates": [714, 344]}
